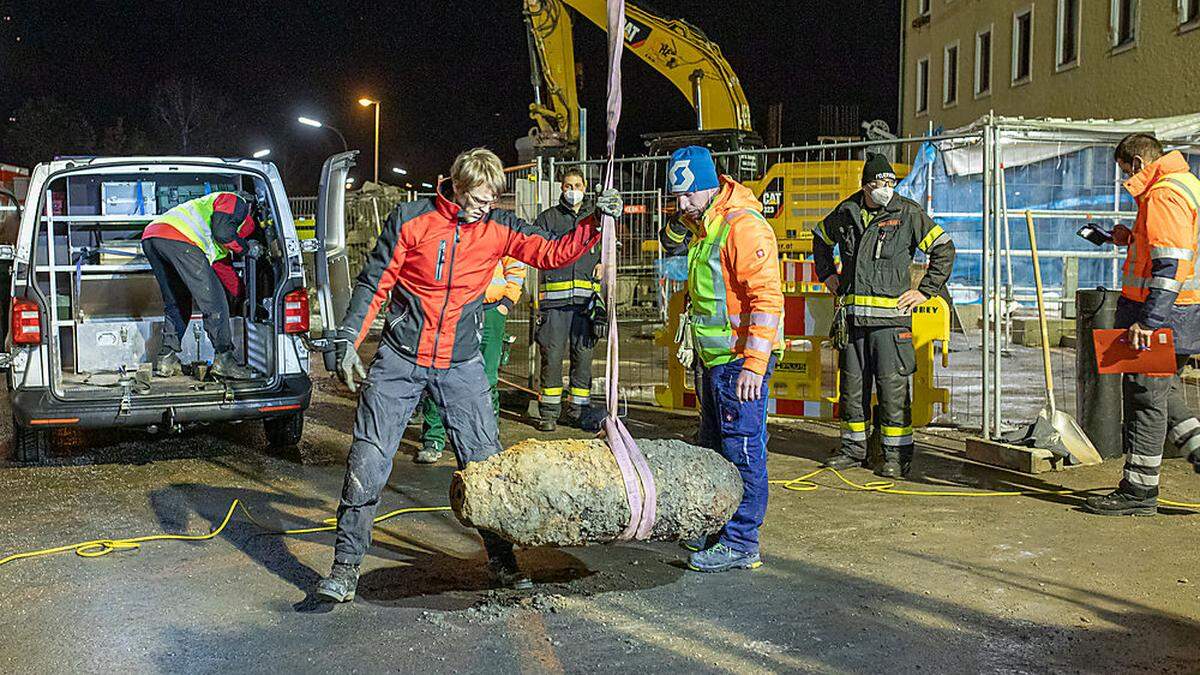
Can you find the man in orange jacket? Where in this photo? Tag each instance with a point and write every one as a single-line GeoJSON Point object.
{"type": "Point", "coordinates": [498, 300]}
{"type": "Point", "coordinates": [1159, 289]}
{"type": "Point", "coordinates": [736, 323]}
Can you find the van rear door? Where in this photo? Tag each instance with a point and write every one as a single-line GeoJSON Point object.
{"type": "Point", "coordinates": [331, 259]}
{"type": "Point", "coordinates": [10, 224]}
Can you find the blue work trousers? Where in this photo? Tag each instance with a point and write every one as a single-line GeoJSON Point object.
{"type": "Point", "coordinates": [738, 430]}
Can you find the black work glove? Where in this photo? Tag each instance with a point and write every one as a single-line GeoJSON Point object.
{"type": "Point", "coordinates": [597, 313]}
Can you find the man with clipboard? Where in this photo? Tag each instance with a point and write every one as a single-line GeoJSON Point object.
{"type": "Point", "coordinates": [1159, 289]}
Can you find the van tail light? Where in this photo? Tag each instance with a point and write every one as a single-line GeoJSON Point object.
{"type": "Point", "coordinates": [26, 322]}
{"type": "Point", "coordinates": [295, 311]}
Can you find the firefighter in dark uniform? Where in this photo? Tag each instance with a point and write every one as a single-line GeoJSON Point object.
{"type": "Point", "coordinates": [877, 232]}
{"type": "Point", "coordinates": [567, 298]}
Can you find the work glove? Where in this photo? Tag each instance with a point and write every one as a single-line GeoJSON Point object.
{"type": "Point", "coordinates": [610, 203]}
{"type": "Point", "coordinates": [686, 352]}
{"type": "Point", "coordinates": [597, 313]}
{"type": "Point", "coordinates": [349, 364]}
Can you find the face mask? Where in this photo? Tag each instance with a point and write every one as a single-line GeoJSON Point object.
{"type": "Point", "coordinates": [572, 197]}
{"type": "Point", "coordinates": [882, 195]}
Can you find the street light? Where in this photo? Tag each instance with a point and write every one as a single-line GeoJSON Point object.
{"type": "Point", "coordinates": [259, 154]}
{"type": "Point", "coordinates": [402, 172]}
{"type": "Point", "coordinates": [427, 185]}
{"type": "Point", "coordinates": [308, 121]}
{"type": "Point", "coordinates": [366, 102]}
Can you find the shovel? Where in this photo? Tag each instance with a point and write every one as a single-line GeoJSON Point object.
{"type": "Point", "coordinates": [1054, 430]}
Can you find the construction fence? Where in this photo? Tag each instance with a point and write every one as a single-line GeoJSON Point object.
{"type": "Point", "coordinates": [978, 183]}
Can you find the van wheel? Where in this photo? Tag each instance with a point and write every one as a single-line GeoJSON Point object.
{"type": "Point", "coordinates": [29, 445]}
{"type": "Point", "coordinates": [284, 432]}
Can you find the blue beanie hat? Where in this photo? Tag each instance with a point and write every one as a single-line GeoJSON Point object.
{"type": "Point", "coordinates": [692, 170]}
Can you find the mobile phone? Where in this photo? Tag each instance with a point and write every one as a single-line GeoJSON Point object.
{"type": "Point", "coordinates": [1095, 234]}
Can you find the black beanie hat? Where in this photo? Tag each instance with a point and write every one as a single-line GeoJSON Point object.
{"type": "Point", "coordinates": [876, 167]}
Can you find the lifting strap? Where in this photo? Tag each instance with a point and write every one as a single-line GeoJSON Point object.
{"type": "Point", "coordinates": [635, 472]}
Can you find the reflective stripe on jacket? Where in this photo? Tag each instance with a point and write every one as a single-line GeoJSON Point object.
{"type": "Point", "coordinates": [876, 251]}
{"type": "Point", "coordinates": [733, 281]}
{"type": "Point", "coordinates": [572, 284]}
{"type": "Point", "coordinates": [216, 223]}
{"type": "Point", "coordinates": [1160, 264]}
{"type": "Point", "coordinates": [507, 281]}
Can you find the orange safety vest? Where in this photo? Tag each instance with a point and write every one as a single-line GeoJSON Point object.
{"type": "Point", "coordinates": [1167, 226]}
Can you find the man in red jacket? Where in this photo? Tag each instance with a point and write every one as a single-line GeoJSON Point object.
{"type": "Point", "coordinates": [428, 273]}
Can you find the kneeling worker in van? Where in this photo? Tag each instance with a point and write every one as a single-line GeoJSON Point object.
{"type": "Point", "coordinates": [428, 274]}
{"type": "Point", "coordinates": [183, 245]}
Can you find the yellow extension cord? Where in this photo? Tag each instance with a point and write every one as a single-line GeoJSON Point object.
{"type": "Point", "coordinates": [100, 547]}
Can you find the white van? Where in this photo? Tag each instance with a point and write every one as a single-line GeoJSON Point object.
{"type": "Point", "coordinates": [86, 315]}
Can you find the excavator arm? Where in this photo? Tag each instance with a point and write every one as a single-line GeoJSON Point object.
{"type": "Point", "coordinates": [675, 48]}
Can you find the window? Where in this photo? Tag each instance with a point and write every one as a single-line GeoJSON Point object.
{"type": "Point", "coordinates": [1123, 23]}
{"type": "Point", "coordinates": [923, 85]}
{"type": "Point", "coordinates": [1067, 49]}
{"type": "Point", "coordinates": [950, 75]}
{"type": "Point", "coordinates": [1022, 46]}
{"type": "Point", "coordinates": [983, 62]}
{"type": "Point", "coordinates": [1189, 13]}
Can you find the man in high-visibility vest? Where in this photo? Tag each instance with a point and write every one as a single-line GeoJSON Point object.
{"type": "Point", "coordinates": [498, 300]}
{"type": "Point", "coordinates": [736, 323]}
{"type": "Point", "coordinates": [877, 232]}
{"type": "Point", "coordinates": [186, 246]}
{"type": "Point", "coordinates": [566, 296]}
{"type": "Point", "coordinates": [1159, 290]}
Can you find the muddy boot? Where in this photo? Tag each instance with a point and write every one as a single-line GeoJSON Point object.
{"type": "Point", "coordinates": [226, 367]}
{"type": "Point", "coordinates": [840, 462]}
{"type": "Point", "coordinates": [699, 543]}
{"type": "Point", "coordinates": [721, 558]}
{"type": "Point", "coordinates": [890, 469]}
{"type": "Point", "coordinates": [340, 585]}
{"type": "Point", "coordinates": [167, 365]}
{"type": "Point", "coordinates": [502, 564]}
{"type": "Point", "coordinates": [428, 454]}
{"type": "Point", "coordinates": [1118, 503]}
{"type": "Point", "coordinates": [547, 424]}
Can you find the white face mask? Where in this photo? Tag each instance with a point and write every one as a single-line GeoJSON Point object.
{"type": "Point", "coordinates": [572, 198]}
{"type": "Point", "coordinates": [882, 195]}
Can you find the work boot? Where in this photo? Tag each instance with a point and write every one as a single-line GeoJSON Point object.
{"type": "Point", "coordinates": [839, 461]}
{"type": "Point", "coordinates": [1118, 503]}
{"type": "Point", "coordinates": [340, 585]}
{"type": "Point", "coordinates": [698, 543]}
{"type": "Point", "coordinates": [167, 365]}
{"type": "Point", "coordinates": [428, 454]}
{"type": "Point", "coordinates": [889, 469]}
{"type": "Point", "coordinates": [547, 424]}
{"type": "Point", "coordinates": [721, 558]}
{"type": "Point", "coordinates": [507, 574]}
{"type": "Point", "coordinates": [226, 367]}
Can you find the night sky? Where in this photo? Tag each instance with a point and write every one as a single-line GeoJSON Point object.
{"type": "Point", "coordinates": [451, 74]}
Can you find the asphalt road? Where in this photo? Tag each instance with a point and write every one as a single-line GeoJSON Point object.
{"type": "Point", "coordinates": [853, 581]}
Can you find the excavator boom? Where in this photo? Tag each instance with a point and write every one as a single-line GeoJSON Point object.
{"type": "Point", "coordinates": [673, 47]}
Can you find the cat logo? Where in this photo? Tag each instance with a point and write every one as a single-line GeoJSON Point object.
{"type": "Point", "coordinates": [635, 33]}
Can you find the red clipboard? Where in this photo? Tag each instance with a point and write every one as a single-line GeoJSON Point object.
{"type": "Point", "coordinates": [1114, 354]}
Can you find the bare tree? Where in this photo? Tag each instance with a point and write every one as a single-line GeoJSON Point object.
{"type": "Point", "coordinates": [193, 119]}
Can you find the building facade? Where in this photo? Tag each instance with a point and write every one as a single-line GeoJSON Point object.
{"type": "Point", "coordinates": [1083, 59]}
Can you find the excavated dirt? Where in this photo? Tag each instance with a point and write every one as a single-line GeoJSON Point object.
{"type": "Point", "coordinates": [570, 492]}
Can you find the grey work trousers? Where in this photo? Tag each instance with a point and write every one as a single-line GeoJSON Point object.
{"type": "Point", "coordinates": [882, 357]}
{"type": "Point", "coordinates": [389, 395]}
{"type": "Point", "coordinates": [1155, 411]}
{"type": "Point", "coordinates": [186, 277]}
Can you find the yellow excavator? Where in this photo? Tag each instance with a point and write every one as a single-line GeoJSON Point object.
{"type": "Point", "coordinates": [673, 47]}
